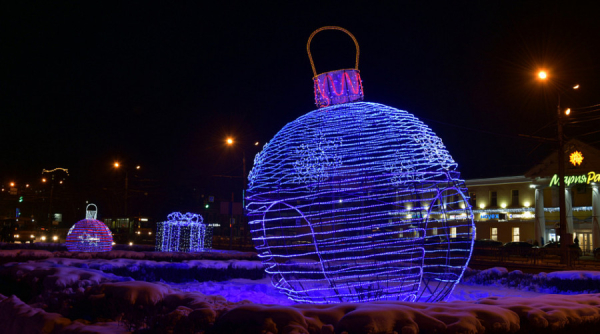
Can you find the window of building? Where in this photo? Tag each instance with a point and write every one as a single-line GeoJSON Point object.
{"type": "Point", "coordinates": [400, 235]}
{"type": "Point", "coordinates": [493, 198]}
{"type": "Point", "coordinates": [434, 231]}
{"type": "Point", "coordinates": [494, 233]}
{"type": "Point", "coordinates": [473, 200]}
{"type": "Point", "coordinates": [515, 234]}
{"type": "Point", "coordinates": [453, 232]}
{"type": "Point", "coordinates": [515, 198]}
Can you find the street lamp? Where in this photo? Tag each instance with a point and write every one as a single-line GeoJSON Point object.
{"type": "Point", "coordinates": [230, 141]}
{"type": "Point", "coordinates": [117, 165]}
{"type": "Point", "coordinates": [564, 237]}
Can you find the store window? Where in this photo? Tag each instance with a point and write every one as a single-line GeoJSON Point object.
{"type": "Point", "coordinates": [493, 198]}
{"type": "Point", "coordinates": [515, 234]}
{"type": "Point", "coordinates": [515, 198]}
{"type": "Point", "coordinates": [494, 233]}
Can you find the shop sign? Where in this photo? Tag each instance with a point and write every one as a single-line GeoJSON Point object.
{"type": "Point", "coordinates": [490, 216]}
{"type": "Point", "coordinates": [526, 215]}
{"type": "Point", "coordinates": [576, 179]}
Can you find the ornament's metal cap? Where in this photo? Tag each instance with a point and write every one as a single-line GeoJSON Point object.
{"type": "Point", "coordinates": [336, 87]}
{"type": "Point", "coordinates": [91, 213]}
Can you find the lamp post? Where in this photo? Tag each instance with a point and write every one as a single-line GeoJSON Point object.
{"type": "Point", "coordinates": [230, 142]}
{"type": "Point", "coordinates": [565, 239]}
{"type": "Point", "coordinates": [117, 165]}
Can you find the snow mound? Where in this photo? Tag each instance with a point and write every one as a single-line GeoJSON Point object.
{"type": "Point", "coordinates": [18, 317]}
{"type": "Point", "coordinates": [376, 317]}
{"type": "Point", "coordinates": [54, 276]}
{"type": "Point", "coordinates": [496, 271]}
{"type": "Point", "coordinates": [574, 275]}
{"type": "Point", "coordinates": [136, 293]}
{"type": "Point", "coordinates": [8, 255]}
{"type": "Point", "coordinates": [552, 312]}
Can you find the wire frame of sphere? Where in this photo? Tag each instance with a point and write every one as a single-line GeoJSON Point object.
{"type": "Point", "coordinates": [89, 235]}
{"type": "Point", "coordinates": [360, 202]}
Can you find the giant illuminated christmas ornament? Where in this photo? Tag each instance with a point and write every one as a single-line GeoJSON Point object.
{"type": "Point", "coordinates": [358, 201]}
{"type": "Point", "coordinates": [89, 235]}
{"type": "Point", "coordinates": [183, 233]}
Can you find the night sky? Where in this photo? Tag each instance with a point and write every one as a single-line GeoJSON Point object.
{"type": "Point", "coordinates": [86, 83]}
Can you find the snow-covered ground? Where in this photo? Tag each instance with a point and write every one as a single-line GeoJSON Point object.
{"type": "Point", "coordinates": [75, 295]}
{"type": "Point", "coordinates": [262, 292]}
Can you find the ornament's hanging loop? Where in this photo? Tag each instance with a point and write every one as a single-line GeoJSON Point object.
{"type": "Point", "coordinates": [330, 28]}
{"type": "Point", "coordinates": [91, 213]}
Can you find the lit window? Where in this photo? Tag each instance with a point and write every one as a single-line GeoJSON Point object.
{"type": "Point", "coordinates": [434, 231]}
{"type": "Point", "coordinates": [453, 232]}
{"type": "Point", "coordinates": [515, 234]}
{"type": "Point", "coordinates": [400, 235]}
{"type": "Point", "coordinates": [494, 233]}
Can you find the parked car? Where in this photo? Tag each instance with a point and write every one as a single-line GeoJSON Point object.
{"type": "Point", "coordinates": [518, 244]}
{"type": "Point", "coordinates": [597, 253]}
{"type": "Point", "coordinates": [487, 243]}
{"type": "Point", "coordinates": [553, 248]}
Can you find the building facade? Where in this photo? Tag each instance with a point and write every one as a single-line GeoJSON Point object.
{"type": "Point", "coordinates": [526, 207]}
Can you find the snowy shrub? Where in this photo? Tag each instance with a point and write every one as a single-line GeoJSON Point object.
{"type": "Point", "coordinates": [181, 273]}
{"type": "Point", "coordinates": [560, 282]}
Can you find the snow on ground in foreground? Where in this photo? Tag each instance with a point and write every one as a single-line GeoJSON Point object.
{"type": "Point", "coordinates": [248, 306]}
{"type": "Point", "coordinates": [262, 292]}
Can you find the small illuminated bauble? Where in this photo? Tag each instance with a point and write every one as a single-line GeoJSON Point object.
{"type": "Point", "coordinates": [358, 201]}
{"type": "Point", "coordinates": [89, 235]}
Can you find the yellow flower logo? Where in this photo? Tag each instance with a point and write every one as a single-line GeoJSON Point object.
{"type": "Point", "coordinates": [576, 158]}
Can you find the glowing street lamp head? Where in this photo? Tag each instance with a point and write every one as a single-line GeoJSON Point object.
{"type": "Point", "coordinates": [229, 141]}
{"type": "Point", "coordinates": [137, 167]}
{"type": "Point", "coordinates": [543, 75]}
{"type": "Point", "coordinates": [43, 179]}
{"type": "Point", "coordinates": [576, 86]}
{"type": "Point", "coordinates": [568, 111]}
{"type": "Point", "coordinates": [12, 184]}
{"type": "Point", "coordinates": [117, 164]}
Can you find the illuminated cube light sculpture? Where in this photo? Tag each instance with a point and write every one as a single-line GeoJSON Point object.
{"type": "Point", "coordinates": [89, 235]}
{"type": "Point", "coordinates": [183, 233]}
{"type": "Point", "coordinates": [358, 201]}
